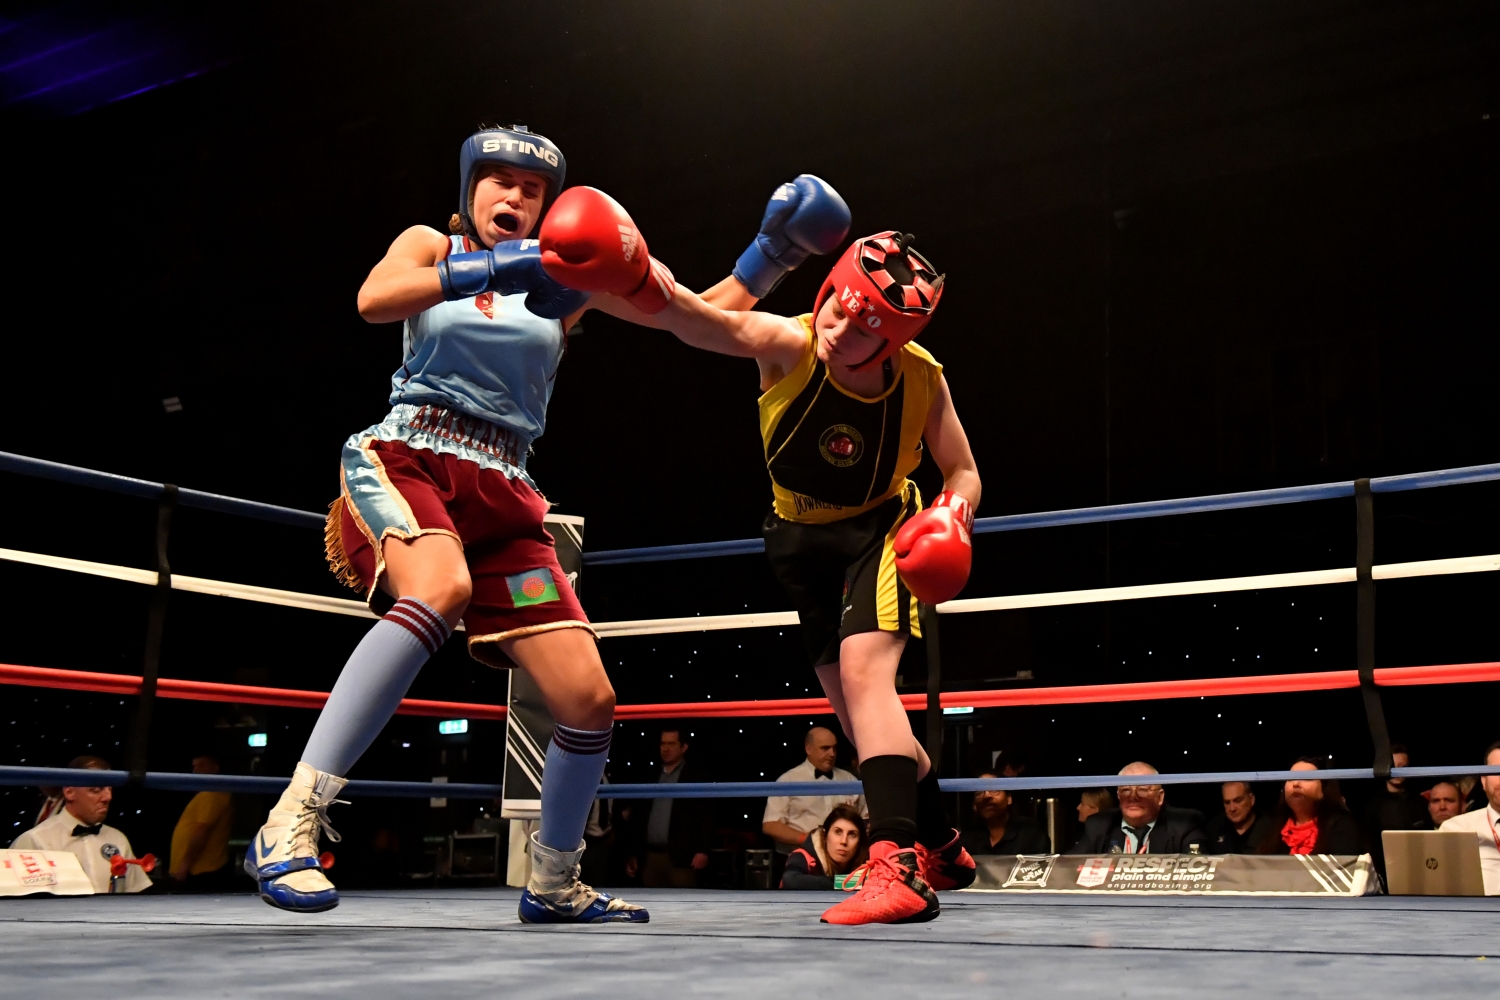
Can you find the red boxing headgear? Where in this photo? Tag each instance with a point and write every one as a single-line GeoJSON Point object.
{"type": "Point", "coordinates": [887, 288]}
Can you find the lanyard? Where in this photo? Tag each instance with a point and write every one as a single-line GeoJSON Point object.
{"type": "Point", "coordinates": [1145, 841]}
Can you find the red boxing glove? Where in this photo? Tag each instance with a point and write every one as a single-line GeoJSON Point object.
{"type": "Point", "coordinates": [590, 243]}
{"type": "Point", "coordinates": [934, 550]}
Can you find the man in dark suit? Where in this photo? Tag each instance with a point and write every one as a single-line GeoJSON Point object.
{"type": "Point", "coordinates": [1000, 829]}
{"type": "Point", "coordinates": [1393, 807]}
{"type": "Point", "coordinates": [1241, 827]}
{"type": "Point", "coordinates": [1143, 824]}
{"type": "Point", "coordinates": [673, 837]}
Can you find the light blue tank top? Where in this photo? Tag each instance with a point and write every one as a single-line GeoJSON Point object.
{"type": "Point", "coordinates": [488, 356]}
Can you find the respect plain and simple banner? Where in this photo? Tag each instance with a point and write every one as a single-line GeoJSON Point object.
{"type": "Point", "coordinates": [1180, 874]}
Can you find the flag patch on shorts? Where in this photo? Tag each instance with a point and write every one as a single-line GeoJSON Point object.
{"type": "Point", "coordinates": [535, 586]}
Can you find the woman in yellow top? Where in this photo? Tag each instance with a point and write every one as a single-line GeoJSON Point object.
{"type": "Point", "coordinates": [200, 841]}
{"type": "Point", "coordinates": [847, 403]}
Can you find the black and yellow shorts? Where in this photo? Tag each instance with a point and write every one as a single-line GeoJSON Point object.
{"type": "Point", "coordinates": [841, 576]}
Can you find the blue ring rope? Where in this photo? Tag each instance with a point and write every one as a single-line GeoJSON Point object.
{"type": "Point", "coordinates": [108, 481]}
{"type": "Point", "coordinates": [181, 782]}
{"type": "Point", "coordinates": [74, 475]}
{"type": "Point", "coordinates": [1098, 515]}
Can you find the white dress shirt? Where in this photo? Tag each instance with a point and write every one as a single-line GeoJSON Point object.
{"type": "Point", "coordinates": [1484, 824]}
{"type": "Point", "coordinates": [807, 811]}
{"type": "Point", "coordinates": [93, 850]}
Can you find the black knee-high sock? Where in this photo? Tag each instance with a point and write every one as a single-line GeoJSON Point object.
{"type": "Point", "coordinates": [891, 793]}
{"type": "Point", "coordinates": [933, 828]}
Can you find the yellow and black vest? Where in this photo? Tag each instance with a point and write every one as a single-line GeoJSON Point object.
{"type": "Point", "coordinates": [832, 454]}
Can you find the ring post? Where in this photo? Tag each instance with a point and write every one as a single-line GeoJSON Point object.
{"type": "Point", "coordinates": [156, 622]}
{"type": "Point", "coordinates": [1364, 625]}
{"type": "Point", "coordinates": [927, 615]}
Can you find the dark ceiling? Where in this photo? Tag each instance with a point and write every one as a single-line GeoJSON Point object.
{"type": "Point", "coordinates": [221, 223]}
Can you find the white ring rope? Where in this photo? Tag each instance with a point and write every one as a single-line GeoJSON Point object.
{"type": "Point", "coordinates": [194, 584]}
{"type": "Point", "coordinates": [701, 623]}
{"type": "Point", "coordinates": [707, 623]}
{"type": "Point", "coordinates": [1310, 578]}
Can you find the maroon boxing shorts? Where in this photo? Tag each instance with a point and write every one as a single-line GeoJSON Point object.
{"type": "Point", "coordinates": [393, 490]}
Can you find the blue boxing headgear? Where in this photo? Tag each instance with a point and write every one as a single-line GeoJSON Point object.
{"type": "Point", "coordinates": [516, 146]}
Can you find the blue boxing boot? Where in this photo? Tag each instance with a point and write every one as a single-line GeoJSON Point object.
{"type": "Point", "coordinates": [283, 856]}
{"type": "Point", "coordinates": [555, 895]}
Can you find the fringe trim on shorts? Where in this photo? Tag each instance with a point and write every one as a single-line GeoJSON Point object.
{"type": "Point", "coordinates": [333, 548]}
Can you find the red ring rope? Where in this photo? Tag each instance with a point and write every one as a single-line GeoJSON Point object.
{"type": "Point", "coordinates": [242, 694]}
{"type": "Point", "coordinates": [1327, 680]}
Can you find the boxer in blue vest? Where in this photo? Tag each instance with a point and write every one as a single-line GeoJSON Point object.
{"type": "Point", "coordinates": [438, 520]}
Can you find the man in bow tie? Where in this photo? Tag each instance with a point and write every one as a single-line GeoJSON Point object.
{"type": "Point", "coordinates": [789, 817]}
{"type": "Point", "coordinates": [79, 827]}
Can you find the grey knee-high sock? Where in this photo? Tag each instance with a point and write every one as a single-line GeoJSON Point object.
{"type": "Point", "coordinates": [570, 781]}
{"type": "Point", "coordinates": [372, 684]}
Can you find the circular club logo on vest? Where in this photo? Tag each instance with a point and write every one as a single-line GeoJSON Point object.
{"type": "Point", "coordinates": [841, 445]}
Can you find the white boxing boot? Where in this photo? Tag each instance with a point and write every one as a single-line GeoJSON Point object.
{"type": "Point", "coordinates": [283, 856]}
{"type": "Point", "coordinates": [555, 895]}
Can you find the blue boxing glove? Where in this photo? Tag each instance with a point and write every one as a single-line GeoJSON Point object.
{"type": "Point", "coordinates": [551, 300]}
{"type": "Point", "coordinates": [513, 267]}
{"type": "Point", "coordinates": [804, 217]}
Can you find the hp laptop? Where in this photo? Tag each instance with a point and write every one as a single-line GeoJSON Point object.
{"type": "Point", "coordinates": [1432, 863]}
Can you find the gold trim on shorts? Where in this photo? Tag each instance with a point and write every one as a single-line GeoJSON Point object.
{"type": "Point", "coordinates": [338, 558]}
{"type": "Point", "coordinates": [517, 633]}
{"type": "Point", "coordinates": [887, 579]}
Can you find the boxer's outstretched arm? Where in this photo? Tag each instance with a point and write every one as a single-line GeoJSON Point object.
{"type": "Point", "coordinates": [590, 243]}
{"type": "Point", "coordinates": [770, 339]}
{"type": "Point", "coordinates": [406, 280]}
{"type": "Point", "coordinates": [949, 446]}
{"type": "Point", "coordinates": [730, 294]}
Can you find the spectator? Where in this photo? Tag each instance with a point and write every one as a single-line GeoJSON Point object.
{"type": "Point", "coordinates": [1444, 802]}
{"type": "Point", "coordinates": [599, 865]}
{"type": "Point", "coordinates": [1392, 807]}
{"type": "Point", "coordinates": [673, 846]}
{"type": "Point", "coordinates": [1485, 824]}
{"type": "Point", "coordinates": [835, 848]}
{"type": "Point", "coordinates": [1241, 827]}
{"type": "Point", "coordinates": [1012, 764]}
{"type": "Point", "coordinates": [999, 830]}
{"type": "Point", "coordinates": [1094, 801]}
{"type": "Point", "coordinates": [1469, 791]}
{"type": "Point", "coordinates": [52, 801]}
{"type": "Point", "coordinates": [200, 842]}
{"type": "Point", "coordinates": [1311, 818]}
{"type": "Point", "coordinates": [79, 828]}
{"type": "Point", "coordinates": [1143, 824]}
{"type": "Point", "coordinates": [790, 818]}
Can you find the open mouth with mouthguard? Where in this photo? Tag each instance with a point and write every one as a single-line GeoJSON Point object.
{"type": "Point", "coordinates": [507, 222]}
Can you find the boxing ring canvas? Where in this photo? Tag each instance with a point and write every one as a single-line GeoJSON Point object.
{"type": "Point", "coordinates": [461, 942]}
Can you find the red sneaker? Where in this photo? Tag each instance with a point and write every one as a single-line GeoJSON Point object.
{"type": "Point", "coordinates": [892, 892]}
{"type": "Point", "coordinates": [947, 867]}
